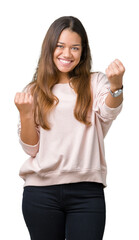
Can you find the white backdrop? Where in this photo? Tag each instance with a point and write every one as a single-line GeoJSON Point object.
{"type": "Point", "coordinates": [112, 28]}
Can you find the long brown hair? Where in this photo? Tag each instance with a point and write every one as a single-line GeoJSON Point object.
{"type": "Point", "coordinates": [46, 75]}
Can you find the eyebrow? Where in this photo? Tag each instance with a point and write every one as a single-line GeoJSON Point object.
{"type": "Point", "coordinates": [72, 44]}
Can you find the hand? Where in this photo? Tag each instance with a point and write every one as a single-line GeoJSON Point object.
{"type": "Point", "coordinates": [24, 103]}
{"type": "Point", "coordinates": [115, 72]}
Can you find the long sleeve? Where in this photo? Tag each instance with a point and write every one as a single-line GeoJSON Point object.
{"type": "Point", "coordinates": [29, 149]}
{"type": "Point", "coordinates": [104, 113]}
{"type": "Point", "coordinates": [71, 151]}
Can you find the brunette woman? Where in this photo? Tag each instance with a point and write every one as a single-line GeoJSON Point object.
{"type": "Point", "coordinates": [65, 113]}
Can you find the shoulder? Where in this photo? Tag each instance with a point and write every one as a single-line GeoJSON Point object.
{"type": "Point", "coordinates": [98, 78]}
{"type": "Point", "coordinates": [99, 82]}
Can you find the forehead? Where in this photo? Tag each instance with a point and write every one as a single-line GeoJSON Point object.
{"type": "Point", "coordinates": [69, 37]}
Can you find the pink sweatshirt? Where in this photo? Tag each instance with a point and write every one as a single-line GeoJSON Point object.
{"type": "Point", "coordinates": [71, 151]}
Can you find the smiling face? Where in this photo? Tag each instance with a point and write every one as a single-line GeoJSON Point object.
{"type": "Point", "coordinates": [68, 52]}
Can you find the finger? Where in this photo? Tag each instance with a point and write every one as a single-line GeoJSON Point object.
{"type": "Point", "coordinates": [26, 98]}
{"type": "Point", "coordinates": [115, 68]}
{"type": "Point", "coordinates": [31, 98]}
{"type": "Point", "coordinates": [21, 97]}
{"type": "Point", "coordinates": [111, 70]}
{"type": "Point", "coordinates": [118, 62]}
{"type": "Point", "coordinates": [16, 97]}
{"type": "Point", "coordinates": [120, 65]}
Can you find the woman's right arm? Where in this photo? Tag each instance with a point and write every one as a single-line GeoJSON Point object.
{"type": "Point", "coordinates": [28, 132]}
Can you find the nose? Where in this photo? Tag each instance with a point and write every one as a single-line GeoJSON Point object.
{"type": "Point", "coordinates": [67, 53]}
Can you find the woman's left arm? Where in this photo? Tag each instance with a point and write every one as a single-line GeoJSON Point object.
{"type": "Point", "coordinates": [114, 73]}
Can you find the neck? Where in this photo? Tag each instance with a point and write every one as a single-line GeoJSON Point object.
{"type": "Point", "coordinates": [64, 78]}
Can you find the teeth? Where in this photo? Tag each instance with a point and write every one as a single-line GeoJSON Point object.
{"type": "Point", "coordinates": [64, 61]}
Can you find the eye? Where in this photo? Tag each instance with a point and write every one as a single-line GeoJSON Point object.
{"type": "Point", "coordinates": [75, 48]}
{"type": "Point", "coordinates": [59, 46]}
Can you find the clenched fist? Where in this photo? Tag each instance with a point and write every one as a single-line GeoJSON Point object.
{"type": "Point", "coordinates": [24, 103]}
{"type": "Point", "coordinates": [115, 73]}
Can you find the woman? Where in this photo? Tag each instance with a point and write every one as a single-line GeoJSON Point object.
{"type": "Point", "coordinates": [65, 113]}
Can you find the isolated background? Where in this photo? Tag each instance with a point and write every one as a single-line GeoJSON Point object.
{"type": "Point", "coordinates": [112, 28]}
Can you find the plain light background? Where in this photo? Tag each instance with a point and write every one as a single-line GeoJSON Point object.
{"type": "Point", "coordinates": [112, 28]}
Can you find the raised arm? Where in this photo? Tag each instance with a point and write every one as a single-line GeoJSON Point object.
{"type": "Point", "coordinates": [24, 104]}
{"type": "Point", "coordinates": [114, 74]}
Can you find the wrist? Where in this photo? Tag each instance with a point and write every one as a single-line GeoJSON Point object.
{"type": "Point", "coordinates": [114, 88]}
{"type": "Point", "coordinates": [26, 116]}
{"type": "Point", "coordinates": [116, 93]}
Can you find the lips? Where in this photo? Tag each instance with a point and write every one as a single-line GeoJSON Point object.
{"type": "Point", "coordinates": [65, 62]}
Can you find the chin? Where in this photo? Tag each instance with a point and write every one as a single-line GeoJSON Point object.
{"type": "Point", "coordinates": [65, 70]}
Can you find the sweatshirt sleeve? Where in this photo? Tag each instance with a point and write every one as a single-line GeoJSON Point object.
{"type": "Point", "coordinates": [104, 113]}
{"type": "Point", "coordinates": [29, 149]}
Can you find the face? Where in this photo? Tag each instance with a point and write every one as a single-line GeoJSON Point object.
{"type": "Point", "coordinates": [68, 51]}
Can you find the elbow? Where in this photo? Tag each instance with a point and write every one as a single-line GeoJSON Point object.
{"type": "Point", "coordinates": [109, 114]}
{"type": "Point", "coordinates": [30, 150]}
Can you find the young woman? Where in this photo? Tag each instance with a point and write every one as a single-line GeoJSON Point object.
{"type": "Point", "coordinates": [65, 113]}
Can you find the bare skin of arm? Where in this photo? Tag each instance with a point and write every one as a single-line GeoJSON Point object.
{"type": "Point", "coordinates": [114, 74]}
{"type": "Point", "coordinates": [24, 104]}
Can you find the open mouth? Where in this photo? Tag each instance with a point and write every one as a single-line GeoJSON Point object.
{"type": "Point", "coordinates": [65, 62]}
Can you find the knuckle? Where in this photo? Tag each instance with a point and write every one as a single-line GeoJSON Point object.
{"type": "Point", "coordinates": [117, 72]}
{"type": "Point", "coordinates": [116, 60]}
{"type": "Point", "coordinates": [123, 69]}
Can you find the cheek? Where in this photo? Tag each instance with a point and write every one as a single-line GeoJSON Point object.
{"type": "Point", "coordinates": [78, 58]}
{"type": "Point", "coordinates": [56, 54]}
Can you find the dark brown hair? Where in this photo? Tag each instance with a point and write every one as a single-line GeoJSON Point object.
{"type": "Point", "coordinates": [46, 75]}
